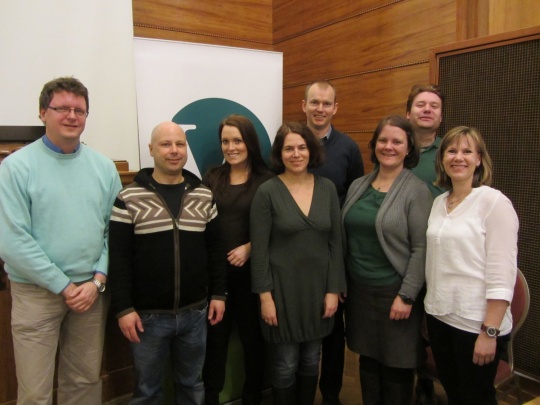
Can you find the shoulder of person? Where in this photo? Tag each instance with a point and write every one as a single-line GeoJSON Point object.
{"type": "Point", "coordinates": [325, 181]}
{"type": "Point", "coordinates": [98, 156]}
{"type": "Point", "coordinates": [269, 185]}
{"type": "Point", "coordinates": [414, 187]}
{"type": "Point", "coordinates": [212, 174]}
{"type": "Point", "coordinates": [491, 196]}
{"type": "Point", "coordinates": [365, 178]}
{"type": "Point", "coordinates": [192, 180]}
{"type": "Point", "coordinates": [342, 136]}
{"type": "Point", "coordinates": [260, 178]}
{"type": "Point", "coordinates": [22, 155]}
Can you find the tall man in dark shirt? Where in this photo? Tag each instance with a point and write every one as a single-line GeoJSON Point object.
{"type": "Point", "coordinates": [343, 164]}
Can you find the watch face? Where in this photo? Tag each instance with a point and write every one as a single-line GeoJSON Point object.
{"type": "Point", "coordinates": [101, 288]}
{"type": "Point", "coordinates": [491, 331]}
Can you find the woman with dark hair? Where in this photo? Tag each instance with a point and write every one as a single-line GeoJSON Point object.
{"type": "Point", "coordinates": [297, 263]}
{"type": "Point", "coordinates": [234, 184]}
{"type": "Point", "coordinates": [471, 270]}
{"type": "Point", "coordinates": [385, 220]}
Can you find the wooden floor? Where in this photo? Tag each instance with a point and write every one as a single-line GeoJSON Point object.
{"type": "Point", "coordinates": [350, 393]}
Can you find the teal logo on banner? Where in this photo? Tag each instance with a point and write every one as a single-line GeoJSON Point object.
{"type": "Point", "coordinates": [201, 120]}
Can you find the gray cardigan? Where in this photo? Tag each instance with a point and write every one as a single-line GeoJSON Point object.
{"type": "Point", "coordinates": [401, 225]}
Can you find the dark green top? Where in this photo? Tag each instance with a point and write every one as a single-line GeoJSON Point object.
{"type": "Point", "coordinates": [297, 258]}
{"type": "Point", "coordinates": [366, 262]}
{"type": "Point", "coordinates": [425, 170]}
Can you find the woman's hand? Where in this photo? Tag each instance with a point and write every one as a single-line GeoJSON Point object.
{"type": "Point", "coordinates": [399, 310]}
{"type": "Point", "coordinates": [484, 349]}
{"type": "Point", "coordinates": [268, 309]}
{"type": "Point", "coordinates": [330, 304]}
{"type": "Point", "coordinates": [239, 255]}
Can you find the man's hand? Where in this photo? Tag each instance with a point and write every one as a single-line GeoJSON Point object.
{"type": "Point", "coordinates": [216, 309]}
{"type": "Point", "coordinates": [129, 325]}
{"type": "Point", "coordinates": [80, 298]}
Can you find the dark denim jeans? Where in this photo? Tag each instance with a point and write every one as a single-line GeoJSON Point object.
{"type": "Point", "coordinates": [291, 358]}
{"type": "Point", "coordinates": [180, 338]}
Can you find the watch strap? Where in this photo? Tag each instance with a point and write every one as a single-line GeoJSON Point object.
{"type": "Point", "coordinates": [99, 285]}
{"type": "Point", "coordinates": [406, 299]}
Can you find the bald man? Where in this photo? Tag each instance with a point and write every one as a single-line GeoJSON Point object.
{"type": "Point", "coordinates": [167, 275]}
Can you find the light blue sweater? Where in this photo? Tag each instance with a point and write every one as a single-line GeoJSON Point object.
{"type": "Point", "coordinates": [54, 215]}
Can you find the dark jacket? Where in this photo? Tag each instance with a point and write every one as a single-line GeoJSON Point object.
{"type": "Point", "coordinates": [342, 164]}
{"type": "Point", "coordinates": [158, 263]}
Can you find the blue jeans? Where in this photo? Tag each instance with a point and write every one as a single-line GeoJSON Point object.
{"type": "Point", "coordinates": [180, 338]}
{"type": "Point", "coordinates": [288, 359]}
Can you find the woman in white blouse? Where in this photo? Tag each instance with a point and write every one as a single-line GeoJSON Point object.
{"type": "Point", "coordinates": [471, 269]}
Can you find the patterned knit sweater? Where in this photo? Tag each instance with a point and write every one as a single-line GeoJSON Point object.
{"type": "Point", "coordinates": [159, 263]}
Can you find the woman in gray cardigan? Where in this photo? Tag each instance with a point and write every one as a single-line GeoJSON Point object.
{"type": "Point", "coordinates": [385, 219]}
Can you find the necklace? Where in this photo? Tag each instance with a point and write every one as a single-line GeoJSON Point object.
{"type": "Point", "coordinates": [452, 204]}
{"type": "Point", "coordinates": [381, 186]}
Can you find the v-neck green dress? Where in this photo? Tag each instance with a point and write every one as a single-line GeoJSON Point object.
{"type": "Point", "coordinates": [297, 258]}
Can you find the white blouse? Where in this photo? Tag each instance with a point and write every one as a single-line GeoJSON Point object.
{"type": "Point", "coordinates": [471, 257]}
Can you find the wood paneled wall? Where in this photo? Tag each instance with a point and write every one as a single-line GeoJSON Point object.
{"type": "Point", "coordinates": [479, 18]}
{"type": "Point", "coordinates": [240, 23]}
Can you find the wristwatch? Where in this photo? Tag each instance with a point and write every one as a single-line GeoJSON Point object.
{"type": "Point", "coordinates": [406, 299]}
{"type": "Point", "coordinates": [491, 331]}
{"type": "Point", "coordinates": [100, 286]}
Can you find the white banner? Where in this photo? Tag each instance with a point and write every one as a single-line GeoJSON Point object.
{"type": "Point", "coordinates": [90, 40]}
{"type": "Point", "coordinates": [197, 86]}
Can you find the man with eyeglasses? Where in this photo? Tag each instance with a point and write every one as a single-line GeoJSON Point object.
{"type": "Point", "coordinates": [343, 164]}
{"type": "Point", "coordinates": [56, 196]}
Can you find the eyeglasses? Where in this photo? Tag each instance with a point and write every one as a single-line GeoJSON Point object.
{"type": "Point", "coordinates": [79, 112]}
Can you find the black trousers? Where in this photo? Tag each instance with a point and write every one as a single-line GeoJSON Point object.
{"type": "Point", "coordinates": [241, 307]}
{"type": "Point", "coordinates": [465, 383]}
{"type": "Point", "coordinates": [333, 359]}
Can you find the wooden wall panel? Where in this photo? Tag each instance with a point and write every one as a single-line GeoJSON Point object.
{"type": "Point", "coordinates": [294, 17]}
{"type": "Point", "coordinates": [479, 18]}
{"type": "Point", "coordinates": [173, 35]}
{"type": "Point", "coordinates": [242, 23]}
{"type": "Point", "coordinates": [509, 15]}
{"type": "Point", "coordinates": [373, 40]}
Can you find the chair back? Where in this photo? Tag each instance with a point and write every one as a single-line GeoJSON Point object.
{"type": "Point", "coordinates": [520, 302]}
